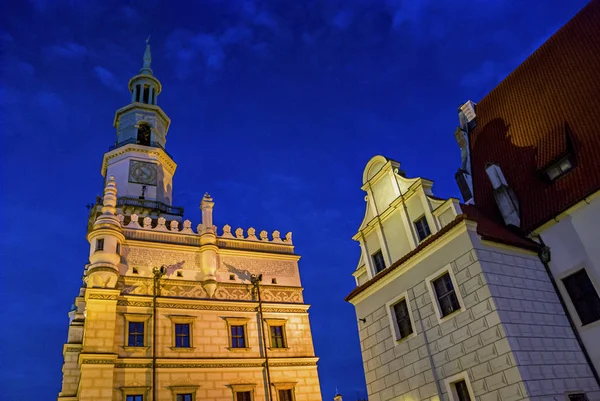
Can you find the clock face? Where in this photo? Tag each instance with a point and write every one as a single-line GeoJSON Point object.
{"type": "Point", "coordinates": [142, 172]}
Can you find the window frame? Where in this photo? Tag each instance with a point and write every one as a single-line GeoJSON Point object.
{"type": "Point", "coordinates": [571, 305]}
{"type": "Point", "coordinates": [375, 271]}
{"type": "Point", "coordinates": [272, 322]}
{"type": "Point", "coordinates": [558, 168]}
{"type": "Point", "coordinates": [243, 387]}
{"type": "Point", "coordinates": [452, 380]}
{"type": "Point", "coordinates": [126, 391]}
{"type": "Point", "coordinates": [434, 299]}
{"type": "Point", "coordinates": [238, 321]}
{"type": "Point", "coordinates": [423, 217]}
{"type": "Point", "coordinates": [99, 245]}
{"type": "Point", "coordinates": [183, 390]}
{"type": "Point", "coordinates": [279, 386]}
{"type": "Point", "coordinates": [137, 318]}
{"type": "Point", "coordinates": [569, 394]}
{"type": "Point", "coordinates": [182, 319]}
{"type": "Point", "coordinates": [393, 321]}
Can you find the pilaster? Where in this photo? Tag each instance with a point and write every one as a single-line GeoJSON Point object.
{"type": "Point", "coordinates": [101, 314]}
{"type": "Point", "coordinates": [97, 373]}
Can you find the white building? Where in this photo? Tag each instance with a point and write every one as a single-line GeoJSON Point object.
{"type": "Point", "coordinates": [464, 301]}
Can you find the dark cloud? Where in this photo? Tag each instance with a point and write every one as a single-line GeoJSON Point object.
{"type": "Point", "coordinates": [107, 78]}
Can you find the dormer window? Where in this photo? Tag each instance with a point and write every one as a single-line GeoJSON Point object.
{"type": "Point", "coordinates": [558, 169]}
{"type": "Point", "coordinates": [378, 262]}
{"type": "Point", "coordinates": [422, 228]}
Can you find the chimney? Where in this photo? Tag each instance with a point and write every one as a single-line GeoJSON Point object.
{"type": "Point", "coordinates": [506, 200]}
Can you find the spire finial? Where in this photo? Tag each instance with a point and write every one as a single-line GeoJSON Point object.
{"type": "Point", "coordinates": [147, 59]}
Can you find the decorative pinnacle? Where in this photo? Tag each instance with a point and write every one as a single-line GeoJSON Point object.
{"type": "Point", "coordinates": [147, 59]}
{"type": "Point", "coordinates": [109, 202]}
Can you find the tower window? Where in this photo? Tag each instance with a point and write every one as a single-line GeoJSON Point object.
{"type": "Point", "coordinates": [99, 244]}
{"type": "Point", "coordinates": [118, 249]}
{"type": "Point", "coordinates": [137, 93]}
{"type": "Point", "coordinates": [422, 228]}
{"type": "Point", "coordinates": [378, 261]}
{"type": "Point", "coordinates": [143, 134]}
{"type": "Point", "coordinates": [584, 296]}
{"type": "Point", "coordinates": [146, 94]}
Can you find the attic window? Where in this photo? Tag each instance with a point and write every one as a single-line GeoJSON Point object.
{"type": "Point", "coordinates": [422, 228]}
{"type": "Point", "coordinates": [135, 270]}
{"type": "Point", "coordinates": [378, 261]}
{"type": "Point", "coordinates": [179, 274]}
{"type": "Point", "coordinates": [560, 168]}
{"type": "Point", "coordinates": [273, 281]}
{"type": "Point", "coordinates": [232, 277]}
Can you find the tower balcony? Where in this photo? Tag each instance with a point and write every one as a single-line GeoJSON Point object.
{"type": "Point", "coordinates": [137, 142]}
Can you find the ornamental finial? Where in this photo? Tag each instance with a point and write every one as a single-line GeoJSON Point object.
{"type": "Point", "coordinates": [147, 59]}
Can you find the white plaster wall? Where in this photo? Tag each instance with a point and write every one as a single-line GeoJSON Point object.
{"type": "Point", "coordinates": [574, 244]}
{"type": "Point", "coordinates": [415, 208]}
{"type": "Point", "coordinates": [383, 192]}
{"type": "Point", "coordinates": [373, 244]}
{"type": "Point", "coordinates": [396, 236]}
{"type": "Point", "coordinates": [510, 337]}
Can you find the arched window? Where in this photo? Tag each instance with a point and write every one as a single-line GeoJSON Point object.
{"type": "Point", "coordinates": [143, 134]}
{"type": "Point", "coordinates": [146, 94]}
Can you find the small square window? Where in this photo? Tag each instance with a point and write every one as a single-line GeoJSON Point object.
{"type": "Point", "coordinates": [422, 228]}
{"type": "Point", "coordinates": [118, 248]}
{"type": "Point", "coordinates": [277, 337]}
{"type": "Point", "coordinates": [578, 397]}
{"type": "Point", "coordinates": [179, 274]}
{"type": "Point", "coordinates": [402, 318]}
{"type": "Point", "coordinates": [136, 397]}
{"type": "Point", "coordinates": [136, 334]}
{"type": "Point", "coordinates": [184, 397]}
{"type": "Point", "coordinates": [182, 335]}
{"type": "Point", "coordinates": [135, 270]}
{"type": "Point", "coordinates": [286, 395]}
{"type": "Point", "coordinates": [273, 281]}
{"type": "Point", "coordinates": [445, 294]}
{"type": "Point", "coordinates": [238, 337]}
{"type": "Point", "coordinates": [243, 396]}
{"type": "Point", "coordinates": [462, 391]}
{"type": "Point", "coordinates": [378, 261]}
{"type": "Point", "coordinates": [99, 244]}
{"type": "Point", "coordinates": [232, 277]}
{"type": "Point", "coordinates": [584, 296]}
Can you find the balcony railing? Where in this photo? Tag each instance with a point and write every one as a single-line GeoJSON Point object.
{"type": "Point", "coordinates": [135, 141]}
{"type": "Point", "coordinates": [150, 204]}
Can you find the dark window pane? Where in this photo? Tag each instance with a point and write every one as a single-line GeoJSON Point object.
{"type": "Point", "coordinates": [100, 244]}
{"type": "Point", "coordinates": [144, 134]}
{"type": "Point", "coordinates": [462, 391]}
{"type": "Point", "coordinates": [422, 228]}
{"type": "Point", "coordinates": [584, 296]}
{"type": "Point", "coordinates": [134, 398]}
{"type": "Point", "coordinates": [136, 334]}
{"type": "Point", "coordinates": [277, 337]}
{"type": "Point", "coordinates": [182, 335]}
{"type": "Point", "coordinates": [146, 94]}
{"type": "Point", "coordinates": [184, 397]}
{"type": "Point", "coordinates": [402, 318]}
{"type": "Point", "coordinates": [444, 290]}
{"type": "Point", "coordinates": [285, 395]}
{"type": "Point", "coordinates": [578, 397]}
{"type": "Point", "coordinates": [238, 339]}
{"type": "Point", "coordinates": [378, 261]}
{"type": "Point", "coordinates": [243, 396]}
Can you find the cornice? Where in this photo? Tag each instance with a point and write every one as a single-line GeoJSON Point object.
{"type": "Point", "coordinates": [216, 363]}
{"type": "Point", "coordinates": [146, 107]}
{"type": "Point", "coordinates": [162, 156]}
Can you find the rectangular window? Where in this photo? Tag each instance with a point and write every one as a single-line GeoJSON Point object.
{"type": "Point", "coordinates": [182, 335]}
{"type": "Point", "coordinates": [146, 94]}
{"type": "Point", "coordinates": [99, 244]}
{"type": "Point", "coordinates": [444, 291]}
{"type": "Point", "coordinates": [238, 338]}
{"type": "Point", "coordinates": [422, 228]}
{"type": "Point", "coordinates": [462, 392]}
{"type": "Point", "coordinates": [584, 296]}
{"type": "Point", "coordinates": [378, 261]}
{"type": "Point", "coordinates": [243, 396]}
{"type": "Point", "coordinates": [402, 319]}
{"type": "Point", "coordinates": [277, 340]}
{"type": "Point", "coordinates": [136, 334]}
{"type": "Point", "coordinates": [559, 169]}
{"type": "Point", "coordinates": [136, 397]}
{"type": "Point", "coordinates": [184, 397]}
{"type": "Point", "coordinates": [118, 248]}
{"type": "Point", "coordinates": [285, 395]}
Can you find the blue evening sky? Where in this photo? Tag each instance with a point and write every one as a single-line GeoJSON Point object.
{"type": "Point", "coordinates": [276, 107]}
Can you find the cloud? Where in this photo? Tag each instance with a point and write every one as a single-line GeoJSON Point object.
{"type": "Point", "coordinates": [69, 50]}
{"type": "Point", "coordinates": [106, 77]}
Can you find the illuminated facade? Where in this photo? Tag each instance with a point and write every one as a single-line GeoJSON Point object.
{"type": "Point", "coordinates": [496, 298]}
{"type": "Point", "coordinates": [167, 312]}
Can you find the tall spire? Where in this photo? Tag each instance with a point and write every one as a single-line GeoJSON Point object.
{"type": "Point", "coordinates": [147, 59]}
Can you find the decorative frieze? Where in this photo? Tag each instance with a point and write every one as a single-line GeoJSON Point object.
{"type": "Point", "coordinates": [246, 266]}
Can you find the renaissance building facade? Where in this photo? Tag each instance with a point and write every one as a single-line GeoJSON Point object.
{"type": "Point", "coordinates": [169, 312]}
{"type": "Point", "coordinates": [496, 298]}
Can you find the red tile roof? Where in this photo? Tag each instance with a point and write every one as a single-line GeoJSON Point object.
{"type": "Point", "coordinates": [548, 106]}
